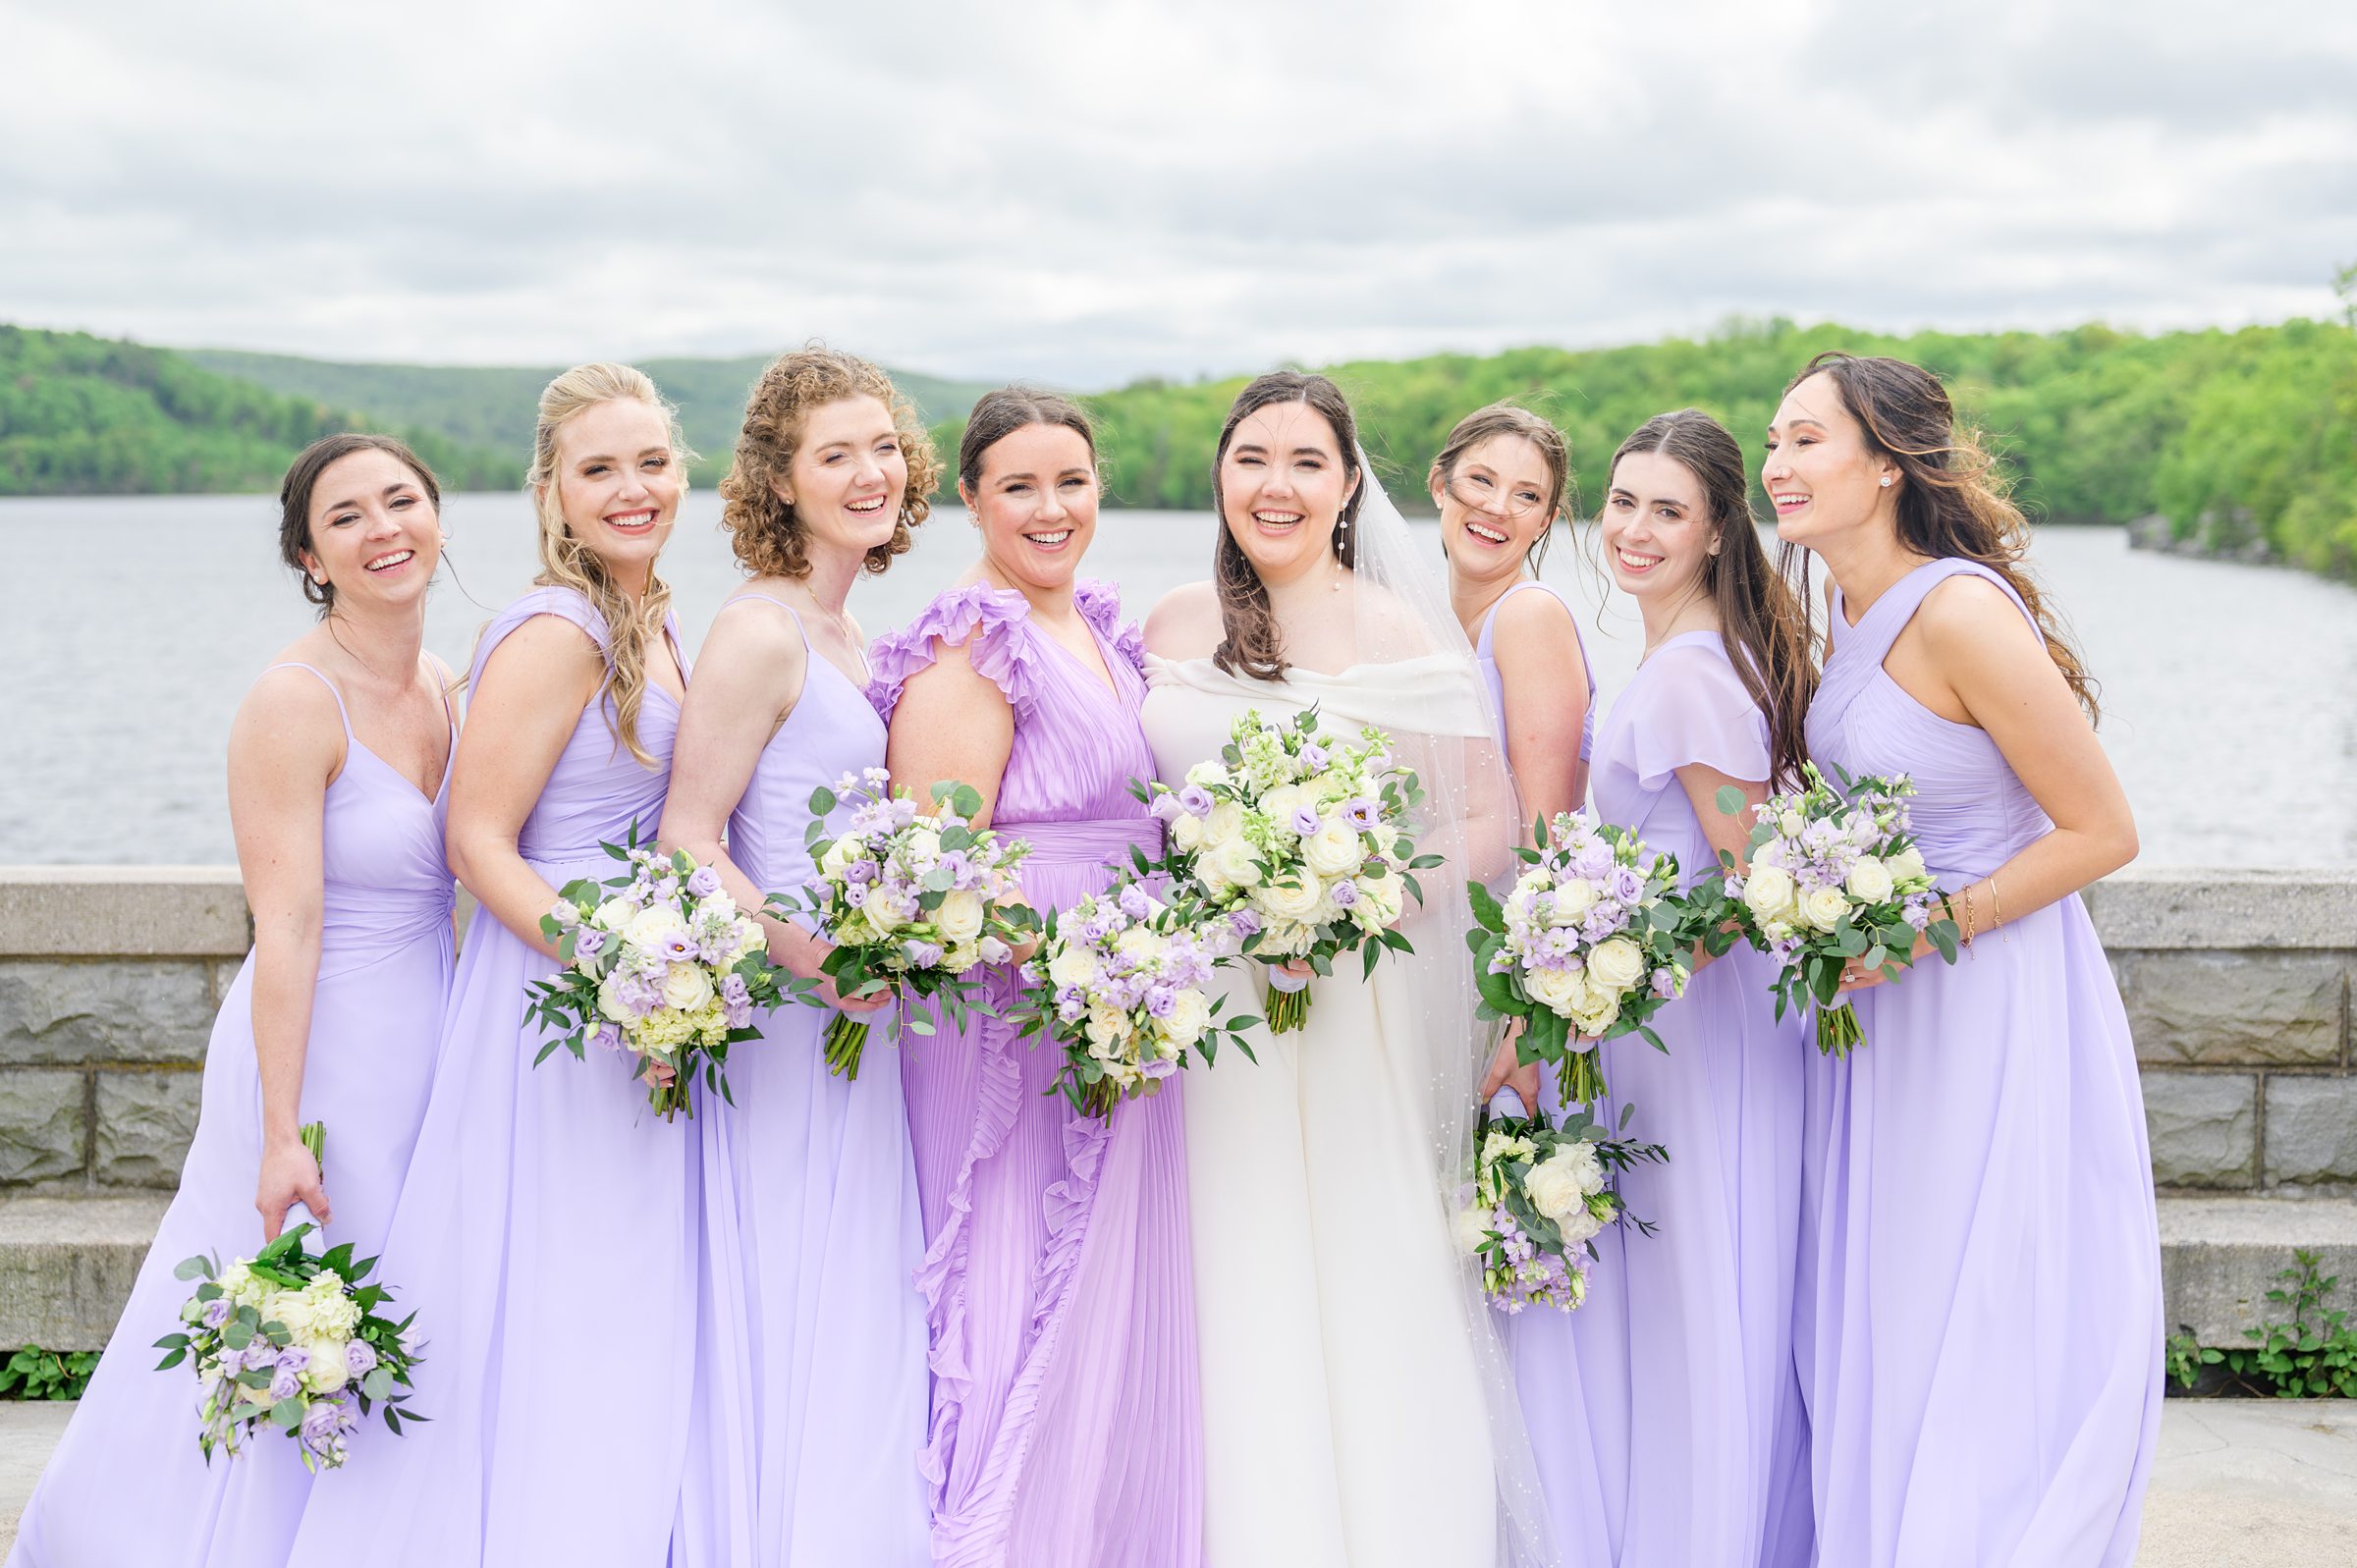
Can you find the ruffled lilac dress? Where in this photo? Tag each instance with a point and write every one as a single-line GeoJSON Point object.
{"type": "Point", "coordinates": [1980, 1320]}
{"type": "Point", "coordinates": [126, 1484]}
{"type": "Point", "coordinates": [814, 1336]}
{"type": "Point", "coordinates": [548, 1237]}
{"type": "Point", "coordinates": [1057, 1287]}
{"type": "Point", "coordinates": [1666, 1412]}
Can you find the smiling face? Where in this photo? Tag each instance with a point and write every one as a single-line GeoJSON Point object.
{"type": "Point", "coordinates": [376, 536]}
{"type": "Point", "coordinates": [1036, 504]}
{"type": "Point", "coordinates": [616, 483]}
{"type": "Point", "coordinates": [1820, 475]}
{"type": "Point", "coordinates": [1657, 528]}
{"type": "Point", "coordinates": [1494, 507]}
{"type": "Point", "coordinates": [849, 477]}
{"type": "Point", "coordinates": [1282, 486]}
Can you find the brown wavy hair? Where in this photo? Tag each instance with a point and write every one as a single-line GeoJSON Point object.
{"type": "Point", "coordinates": [297, 489]}
{"type": "Point", "coordinates": [1954, 499]}
{"type": "Point", "coordinates": [1760, 621]}
{"type": "Point", "coordinates": [1000, 413]}
{"type": "Point", "coordinates": [1513, 419]}
{"type": "Point", "coordinates": [567, 563]}
{"type": "Point", "coordinates": [1251, 644]}
{"type": "Point", "coordinates": [766, 535]}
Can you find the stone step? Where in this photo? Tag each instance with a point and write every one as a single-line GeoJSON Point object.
{"type": "Point", "coordinates": [67, 1265]}
{"type": "Point", "coordinates": [2219, 1257]}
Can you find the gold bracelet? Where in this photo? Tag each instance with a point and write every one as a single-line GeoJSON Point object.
{"type": "Point", "coordinates": [1968, 920]}
{"type": "Point", "coordinates": [1997, 909]}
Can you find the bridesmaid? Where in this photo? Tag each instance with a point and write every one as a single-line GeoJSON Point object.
{"type": "Point", "coordinates": [1499, 485]}
{"type": "Point", "coordinates": [546, 1235]}
{"type": "Point", "coordinates": [1057, 1279]}
{"type": "Point", "coordinates": [1977, 1195]}
{"type": "Point", "coordinates": [812, 1208]}
{"type": "Point", "coordinates": [1667, 1409]}
{"type": "Point", "coordinates": [338, 770]}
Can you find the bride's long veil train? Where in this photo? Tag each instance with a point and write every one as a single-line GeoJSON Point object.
{"type": "Point", "coordinates": [1401, 613]}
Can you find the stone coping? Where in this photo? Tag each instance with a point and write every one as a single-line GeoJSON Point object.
{"type": "Point", "coordinates": [199, 911]}
{"type": "Point", "coordinates": [123, 912]}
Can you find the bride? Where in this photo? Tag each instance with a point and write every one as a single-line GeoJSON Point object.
{"type": "Point", "coordinates": [1357, 1411]}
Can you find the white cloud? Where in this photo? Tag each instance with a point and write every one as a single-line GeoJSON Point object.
{"type": "Point", "coordinates": [1092, 192]}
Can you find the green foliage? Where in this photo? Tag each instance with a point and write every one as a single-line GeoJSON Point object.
{"type": "Point", "coordinates": [36, 1374]}
{"type": "Point", "coordinates": [2095, 425]}
{"type": "Point", "coordinates": [2312, 1356]}
{"type": "Point", "coordinates": [85, 415]}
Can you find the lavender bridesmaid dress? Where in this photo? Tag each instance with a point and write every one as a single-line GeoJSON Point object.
{"type": "Point", "coordinates": [1665, 1413]}
{"type": "Point", "coordinates": [1485, 658]}
{"type": "Point", "coordinates": [1056, 1280]}
{"type": "Point", "coordinates": [547, 1236]}
{"type": "Point", "coordinates": [1980, 1319]}
{"type": "Point", "coordinates": [384, 973]}
{"type": "Point", "coordinates": [811, 1216]}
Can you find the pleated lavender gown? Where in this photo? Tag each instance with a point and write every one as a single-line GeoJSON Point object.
{"type": "Point", "coordinates": [1980, 1317]}
{"type": "Point", "coordinates": [548, 1236]}
{"type": "Point", "coordinates": [126, 1484]}
{"type": "Point", "coordinates": [1057, 1287]}
{"type": "Point", "coordinates": [814, 1330]}
{"type": "Point", "coordinates": [1665, 1413]}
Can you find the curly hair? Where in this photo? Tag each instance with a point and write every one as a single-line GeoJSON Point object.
{"type": "Point", "coordinates": [768, 538]}
{"type": "Point", "coordinates": [1954, 499]}
{"type": "Point", "coordinates": [567, 563]}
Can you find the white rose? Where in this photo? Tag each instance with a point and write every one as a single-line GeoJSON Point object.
{"type": "Point", "coordinates": [1906, 865]}
{"type": "Point", "coordinates": [839, 854]}
{"type": "Point", "coordinates": [1294, 901]}
{"type": "Point", "coordinates": [1771, 853]}
{"type": "Point", "coordinates": [1072, 967]}
{"type": "Point", "coordinates": [688, 988]}
{"type": "Point", "coordinates": [1186, 832]}
{"type": "Point", "coordinates": [959, 916]}
{"type": "Point", "coordinates": [1574, 898]}
{"type": "Point", "coordinates": [1597, 1014]}
{"type": "Point", "coordinates": [1140, 946]}
{"type": "Point", "coordinates": [1209, 774]}
{"type": "Point", "coordinates": [888, 909]}
{"type": "Point", "coordinates": [1334, 848]}
{"type": "Point", "coordinates": [1790, 823]}
{"type": "Point", "coordinates": [1279, 803]}
{"type": "Point", "coordinates": [1579, 1225]}
{"type": "Point", "coordinates": [921, 848]}
{"type": "Point", "coordinates": [1558, 991]}
{"type": "Point", "coordinates": [1189, 1016]}
{"type": "Point", "coordinates": [326, 1371]}
{"type": "Point", "coordinates": [651, 925]}
{"type": "Point", "coordinates": [1770, 893]}
{"type": "Point", "coordinates": [613, 914]}
{"type": "Point", "coordinates": [1471, 1228]}
{"type": "Point", "coordinates": [1558, 1185]}
{"type": "Point", "coordinates": [1237, 866]}
{"type": "Point", "coordinates": [1869, 881]}
{"type": "Point", "coordinates": [1823, 908]}
{"type": "Point", "coordinates": [1618, 963]}
{"type": "Point", "coordinates": [1225, 822]}
{"type": "Point", "coordinates": [609, 999]}
{"type": "Point", "coordinates": [1106, 1023]}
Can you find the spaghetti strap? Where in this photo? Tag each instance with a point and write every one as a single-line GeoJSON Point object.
{"type": "Point", "coordinates": [809, 650]}
{"type": "Point", "coordinates": [340, 711]}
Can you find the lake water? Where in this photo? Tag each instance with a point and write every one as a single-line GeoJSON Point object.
{"type": "Point", "coordinates": [133, 625]}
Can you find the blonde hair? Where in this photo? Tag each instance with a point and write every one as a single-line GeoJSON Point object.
{"type": "Point", "coordinates": [763, 531]}
{"type": "Point", "coordinates": [567, 563]}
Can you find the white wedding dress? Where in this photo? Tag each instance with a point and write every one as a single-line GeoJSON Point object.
{"type": "Point", "coordinates": [1349, 1378]}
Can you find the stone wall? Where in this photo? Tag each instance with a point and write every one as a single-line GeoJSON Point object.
{"type": "Point", "coordinates": [2238, 983]}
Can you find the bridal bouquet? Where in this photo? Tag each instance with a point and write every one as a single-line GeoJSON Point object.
{"type": "Point", "coordinates": [1309, 838]}
{"type": "Point", "coordinates": [1120, 982]}
{"type": "Point", "coordinates": [1539, 1196]}
{"type": "Point", "coordinates": [1592, 937]}
{"type": "Point", "coordinates": [660, 963]}
{"type": "Point", "coordinates": [914, 901]}
{"type": "Point", "coordinates": [293, 1341]}
{"type": "Point", "coordinates": [1834, 877]}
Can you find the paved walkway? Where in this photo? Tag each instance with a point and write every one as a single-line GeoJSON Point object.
{"type": "Point", "coordinates": [2238, 1483]}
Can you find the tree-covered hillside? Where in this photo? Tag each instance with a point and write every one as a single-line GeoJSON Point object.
{"type": "Point", "coordinates": [492, 406]}
{"type": "Point", "coordinates": [2234, 435]}
{"type": "Point", "coordinates": [85, 415]}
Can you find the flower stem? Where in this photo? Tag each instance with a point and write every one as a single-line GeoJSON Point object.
{"type": "Point", "coordinates": [1288, 1011]}
{"type": "Point", "coordinates": [847, 1038]}
{"type": "Point", "coordinates": [1837, 1029]}
{"type": "Point", "coordinates": [1583, 1078]}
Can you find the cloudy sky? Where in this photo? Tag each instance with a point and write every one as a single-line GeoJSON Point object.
{"type": "Point", "coordinates": [1097, 191]}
